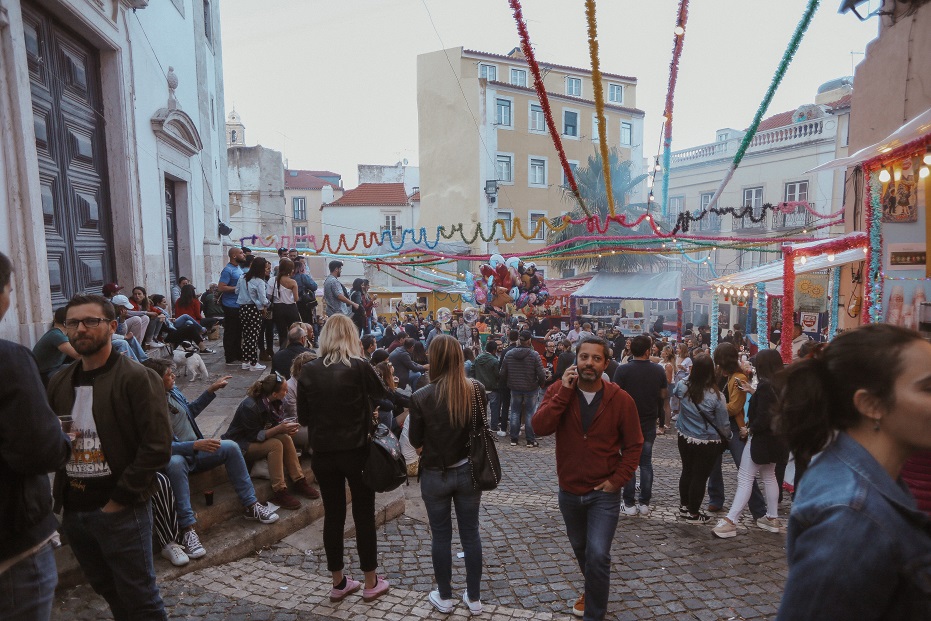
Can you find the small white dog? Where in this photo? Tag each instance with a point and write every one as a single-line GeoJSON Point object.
{"type": "Point", "coordinates": [187, 355]}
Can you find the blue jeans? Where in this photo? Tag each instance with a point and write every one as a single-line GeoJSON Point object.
{"type": "Point", "coordinates": [229, 455]}
{"type": "Point", "coordinates": [646, 476]}
{"type": "Point", "coordinates": [439, 490]}
{"type": "Point", "coordinates": [115, 552]}
{"type": "Point", "coordinates": [28, 587]}
{"type": "Point", "coordinates": [187, 320]}
{"type": "Point", "coordinates": [129, 348]}
{"type": "Point", "coordinates": [716, 481]}
{"type": "Point", "coordinates": [522, 409]}
{"type": "Point", "coordinates": [412, 379]}
{"type": "Point", "coordinates": [496, 418]}
{"type": "Point", "coordinates": [591, 521]}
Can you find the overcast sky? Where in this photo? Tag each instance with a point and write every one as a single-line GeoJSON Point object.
{"type": "Point", "coordinates": [332, 83]}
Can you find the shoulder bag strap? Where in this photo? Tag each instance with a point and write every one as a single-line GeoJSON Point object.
{"type": "Point", "coordinates": [713, 426]}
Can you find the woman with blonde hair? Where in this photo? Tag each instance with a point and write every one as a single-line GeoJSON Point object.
{"type": "Point", "coordinates": [259, 428]}
{"type": "Point", "coordinates": [335, 400]}
{"type": "Point", "coordinates": [439, 427]}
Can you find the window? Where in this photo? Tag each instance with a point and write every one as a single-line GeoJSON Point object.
{"type": "Point", "coordinates": [570, 123]}
{"type": "Point", "coordinates": [519, 77]}
{"type": "Point", "coordinates": [616, 93]}
{"type": "Point", "coordinates": [753, 197]}
{"type": "Point", "coordinates": [723, 136]}
{"type": "Point", "coordinates": [750, 258]}
{"type": "Point", "coordinates": [503, 113]}
{"type": "Point", "coordinates": [505, 166]}
{"type": "Point", "coordinates": [489, 72]}
{"type": "Point", "coordinates": [537, 122]}
{"type": "Point", "coordinates": [573, 166]}
{"type": "Point", "coordinates": [538, 235]}
{"type": "Point", "coordinates": [574, 87]}
{"type": "Point", "coordinates": [233, 136]}
{"type": "Point", "coordinates": [537, 175]}
{"type": "Point", "coordinates": [299, 233]}
{"type": "Point", "coordinates": [710, 222]}
{"type": "Point", "coordinates": [796, 191]}
{"type": "Point", "coordinates": [568, 272]}
{"type": "Point", "coordinates": [627, 133]}
{"type": "Point", "coordinates": [208, 26]}
{"type": "Point", "coordinates": [299, 206]}
{"type": "Point", "coordinates": [595, 136]}
{"type": "Point", "coordinates": [391, 224]}
{"type": "Point", "coordinates": [675, 207]}
{"type": "Point", "coordinates": [506, 217]}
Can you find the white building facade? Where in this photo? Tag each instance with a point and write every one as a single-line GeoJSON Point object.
{"type": "Point", "coordinates": [113, 154]}
{"type": "Point", "coordinates": [773, 171]}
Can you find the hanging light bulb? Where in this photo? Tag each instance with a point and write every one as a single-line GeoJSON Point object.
{"type": "Point", "coordinates": [651, 199]}
{"type": "Point", "coordinates": [679, 31]}
{"type": "Point", "coordinates": [927, 158]}
{"type": "Point", "coordinates": [718, 290]}
{"type": "Point", "coordinates": [830, 257]}
{"type": "Point", "coordinates": [804, 260]}
{"type": "Point", "coordinates": [897, 174]}
{"type": "Point", "coordinates": [923, 172]}
{"type": "Point", "coordinates": [658, 167]}
{"type": "Point", "coordinates": [884, 176]}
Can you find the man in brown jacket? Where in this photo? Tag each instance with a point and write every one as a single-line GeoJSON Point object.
{"type": "Point", "coordinates": [122, 437]}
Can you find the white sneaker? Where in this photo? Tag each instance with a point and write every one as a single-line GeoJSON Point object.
{"type": "Point", "coordinates": [631, 510]}
{"type": "Point", "coordinates": [245, 366]}
{"type": "Point", "coordinates": [771, 524]}
{"type": "Point", "coordinates": [257, 367]}
{"type": "Point", "coordinates": [724, 529]}
{"type": "Point", "coordinates": [192, 544]}
{"type": "Point", "coordinates": [443, 605]}
{"type": "Point", "coordinates": [175, 554]}
{"type": "Point", "coordinates": [644, 510]}
{"type": "Point", "coordinates": [501, 434]}
{"type": "Point", "coordinates": [475, 608]}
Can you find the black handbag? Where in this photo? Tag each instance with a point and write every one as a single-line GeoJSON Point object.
{"type": "Point", "coordinates": [385, 468]}
{"type": "Point", "coordinates": [483, 454]}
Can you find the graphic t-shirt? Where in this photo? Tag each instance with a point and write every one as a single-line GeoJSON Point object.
{"type": "Point", "coordinates": [90, 480]}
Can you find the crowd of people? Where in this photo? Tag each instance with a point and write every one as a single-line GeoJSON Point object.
{"type": "Point", "coordinates": [97, 403]}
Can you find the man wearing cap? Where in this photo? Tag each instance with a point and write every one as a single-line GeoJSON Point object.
{"type": "Point", "coordinates": [334, 293]}
{"type": "Point", "coordinates": [124, 339]}
{"type": "Point", "coordinates": [522, 372]}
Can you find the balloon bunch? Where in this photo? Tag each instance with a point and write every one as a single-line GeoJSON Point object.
{"type": "Point", "coordinates": [504, 282]}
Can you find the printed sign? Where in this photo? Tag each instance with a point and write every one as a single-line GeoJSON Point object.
{"type": "Point", "coordinates": [809, 322]}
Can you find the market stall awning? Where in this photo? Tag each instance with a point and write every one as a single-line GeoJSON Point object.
{"type": "Point", "coordinates": [639, 286]}
{"type": "Point", "coordinates": [913, 130]}
{"type": "Point", "coordinates": [772, 273]}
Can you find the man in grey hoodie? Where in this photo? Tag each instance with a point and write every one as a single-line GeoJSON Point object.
{"type": "Point", "coordinates": [522, 373]}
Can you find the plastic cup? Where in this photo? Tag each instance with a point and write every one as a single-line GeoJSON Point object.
{"type": "Point", "coordinates": [208, 497]}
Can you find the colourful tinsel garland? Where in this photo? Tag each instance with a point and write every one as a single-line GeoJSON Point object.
{"type": "Point", "coordinates": [873, 291]}
{"type": "Point", "coordinates": [677, 44]}
{"type": "Point", "coordinates": [598, 90]}
{"type": "Point", "coordinates": [788, 303]}
{"type": "Point", "coordinates": [787, 56]}
{"type": "Point", "coordinates": [714, 321]}
{"type": "Point", "coordinates": [544, 100]}
{"type": "Point", "coordinates": [834, 308]}
{"type": "Point", "coordinates": [684, 219]}
{"type": "Point", "coordinates": [762, 317]}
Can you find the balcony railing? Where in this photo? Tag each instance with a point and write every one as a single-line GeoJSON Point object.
{"type": "Point", "coordinates": [798, 218]}
{"type": "Point", "coordinates": [746, 222]}
{"type": "Point", "coordinates": [796, 131]}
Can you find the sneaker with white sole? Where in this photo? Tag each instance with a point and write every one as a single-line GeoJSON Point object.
{"type": "Point", "coordinates": [192, 544]}
{"type": "Point", "coordinates": [770, 524]}
{"type": "Point", "coordinates": [175, 554]}
{"type": "Point", "coordinates": [445, 606]}
{"type": "Point", "coordinates": [644, 510]}
{"type": "Point", "coordinates": [502, 433]}
{"type": "Point", "coordinates": [700, 518]}
{"type": "Point", "coordinates": [683, 511]}
{"type": "Point", "coordinates": [260, 512]}
{"type": "Point", "coordinates": [631, 510]}
{"type": "Point", "coordinates": [724, 529]}
{"type": "Point", "coordinates": [475, 608]}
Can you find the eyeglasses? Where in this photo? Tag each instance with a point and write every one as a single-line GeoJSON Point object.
{"type": "Point", "coordinates": [89, 322]}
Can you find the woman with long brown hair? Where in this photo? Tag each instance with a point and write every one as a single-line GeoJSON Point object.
{"type": "Point", "coordinates": [439, 427]}
{"type": "Point", "coordinates": [335, 399]}
{"type": "Point", "coordinates": [702, 420]}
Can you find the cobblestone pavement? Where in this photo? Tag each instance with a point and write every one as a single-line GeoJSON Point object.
{"type": "Point", "coordinates": [662, 569]}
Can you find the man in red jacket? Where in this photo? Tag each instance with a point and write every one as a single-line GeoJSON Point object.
{"type": "Point", "coordinates": [598, 444]}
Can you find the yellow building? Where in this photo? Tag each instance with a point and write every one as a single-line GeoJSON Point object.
{"type": "Point", "coordinates": [485, 150]}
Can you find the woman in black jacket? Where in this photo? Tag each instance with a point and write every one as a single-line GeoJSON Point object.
{"type": "Point", "coordinates": [763, 451]}
{"type": "Point", "coordinates": [439, 430]}
{"type": "Point", "coordinates": [336, 398]}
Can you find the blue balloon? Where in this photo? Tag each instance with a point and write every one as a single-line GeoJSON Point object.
{"type": "Point", "coordinates": [515, 293]}
{"type": "Point", "coordinates": [468, 297]}
{"type": "Point", "coordinates": [491, 281]}
{"type": "Point", "coordinates": [470, 280]}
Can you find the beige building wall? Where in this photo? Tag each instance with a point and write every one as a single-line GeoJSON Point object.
{"type": "Point", "coordinates": [313, 199]}
{"type": "Point", "coordinates": [459, 148]}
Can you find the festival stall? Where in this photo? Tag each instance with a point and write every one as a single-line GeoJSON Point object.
{"type": "Point", "coordinates": [661, 287]}
{"type": "Point", "coordinates": [779, 278]}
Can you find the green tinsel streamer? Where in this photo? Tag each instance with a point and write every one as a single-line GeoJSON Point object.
{"type": "Point", "coordinates": [777, 79]}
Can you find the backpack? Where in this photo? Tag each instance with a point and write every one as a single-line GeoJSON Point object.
{"type": "Point", "coordinates": [385, 469]}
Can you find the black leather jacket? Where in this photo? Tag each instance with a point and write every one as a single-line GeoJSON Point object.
{"type": "Point", "coordinates": [443, 445]}
{"type": "Point", "coordinates": [336, 403]}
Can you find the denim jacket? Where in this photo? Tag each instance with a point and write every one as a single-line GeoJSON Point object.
{"type": "Point", "coordinates": [858, 547]}
{"type": "Point", "coordinates": [692, 425]}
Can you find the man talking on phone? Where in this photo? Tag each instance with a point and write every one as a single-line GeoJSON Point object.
{"type": "Point", "coordinates": [598, 445]}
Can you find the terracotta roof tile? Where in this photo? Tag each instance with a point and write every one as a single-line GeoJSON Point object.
{"type": "Point", "coordinates": [843, 102]}
{"type": "Point", "coordinates": [373, 194]}
{"type": "Point", "coordinates": [777, 120]}
{"type": "Point", "coordinates": [307, 180]}
{"type": "Point", "coordinates": [544, 65]}
{"type": "Point", "coordinates": [415, 196]}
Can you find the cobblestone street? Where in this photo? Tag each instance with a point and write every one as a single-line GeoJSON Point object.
{"type": "Point", "coordinates": [663, 569]}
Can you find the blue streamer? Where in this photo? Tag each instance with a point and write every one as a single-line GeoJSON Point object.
{"type": "Point", "coordinates": [835, 295]}
{"type": "Point", "coordinates": [762, 317]}
{"type": "Point", "coordinates": [714, 321]}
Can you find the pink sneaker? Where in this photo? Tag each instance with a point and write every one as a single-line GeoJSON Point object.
{"type": "Point", "coordinates": [380, 588]}
{"type": "Point", "coordinates": [337, 595]}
